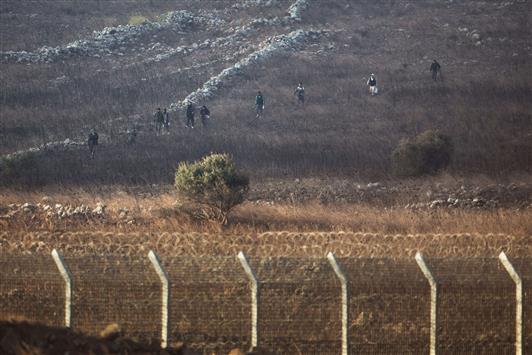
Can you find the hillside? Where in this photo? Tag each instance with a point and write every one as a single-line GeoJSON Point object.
{"type": "Point", "coordinates": [64, 72]}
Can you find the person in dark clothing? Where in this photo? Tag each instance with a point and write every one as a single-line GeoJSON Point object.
{"type": "Point", "coordinates": [159, 119]}
{"type": "Point", "coordinates": [131, 135]}
{"type": "Point", "coordinates": [92, 142]}
{"type": "Point", "coordinates": [435, 68]}
{"type": "Point", "coordinates": [166, 120]}
{"type": "Point", "coordinates": [190, 115]}
{"type": "Point", "coordinates": [372, 83]}
{"type": "Point", "coordinates": [204, 115]}
{"type": "Point", "coordinates": [300, 93]}
{"type": "Point", "coordinates": [259, 104]}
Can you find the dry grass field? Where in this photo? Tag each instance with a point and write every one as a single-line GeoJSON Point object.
{"type": "Point", "coordinates": [308, 205]}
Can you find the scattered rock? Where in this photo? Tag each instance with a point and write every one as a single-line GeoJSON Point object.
{"type": "Point", "coordinates": [113, 38]}
{"type": "Point", "coordinates": [100, 209]}
{"type": "Point", "coordinates": [111, 331]}
{"type": "Point", "coordinates": [296, 9]}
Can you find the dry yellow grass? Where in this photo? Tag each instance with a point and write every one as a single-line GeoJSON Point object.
{"type": "Point", "coordinates": [363, 218]}
{"type": "Point", "coordinates": [155, 211]}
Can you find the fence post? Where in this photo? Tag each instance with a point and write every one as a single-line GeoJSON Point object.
{"type": "Point", "coordinates": [345, 305]}
{"type": "Point", "coordinates": [165, 296]}
{"type": "Point", "coordinates": [254, 299]}
{"type": "Point", "coordinates": [67, 277]}
{"type": "Point", "coordinates": [433, 301]}
{"type": "Point", "coordinates": [518, 302]}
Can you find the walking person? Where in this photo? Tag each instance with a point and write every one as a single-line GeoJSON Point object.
{"type": "Point", "coordinates": [204, 115]}
{"type": "Point", "coordinates": [259, 104]}
{"type": "Point", "coordinates": [300, 93]}
{"type": "Point", "coordinates": [435, 69]}
{"type": "Point", "coordinates": [159, 119]}
{"type": "Point", "coordinates": [372, 83]}
{"type": "Point", "coordinates": [92, 142]}
{"type": "Point", "coordinates": [191, 110]}
{"type": "Point", "coordinates": [131, 135]}
{"type": "Point", "coordinates": [166, 120]}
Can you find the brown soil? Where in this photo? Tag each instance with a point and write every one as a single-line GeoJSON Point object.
{"type": "Point", "coordinates": [24, 338]}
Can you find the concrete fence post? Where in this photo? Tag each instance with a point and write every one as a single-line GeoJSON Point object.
{"type": "Point", "coordinates": [345, 305]}
{"type": "Point", "coordinates": [67, 277]}
{"type": "Point", "coordinates": [254, 299]}
{"type": "Point", "coordinates": [433, 301]}
{"type": "Point", "coordinates": [165, 297]}
{"type": "Point", "coordinates": [518, 302]}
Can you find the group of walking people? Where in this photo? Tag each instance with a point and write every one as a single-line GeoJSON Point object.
{"type": "Point", "coordinates": [162, 118]}
{"type": "Point", "coordinates": [299, 92]}
{"type": "Point", "coordinates": [204, 113]}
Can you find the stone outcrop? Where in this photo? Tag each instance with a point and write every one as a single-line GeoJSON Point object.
{"type": "Point", "coordinates": [276, 45]}
{"type": "Point", "coordinates": [104, 42]}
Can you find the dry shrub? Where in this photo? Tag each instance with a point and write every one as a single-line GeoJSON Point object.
{"type": "Point", "coordinates": [427, 153]}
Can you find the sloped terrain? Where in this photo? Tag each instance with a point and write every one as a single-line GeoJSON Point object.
{"type": "Point", "coordinates": [78, 74]}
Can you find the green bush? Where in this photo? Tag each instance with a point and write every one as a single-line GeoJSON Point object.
{"type": "Point", "coordinates": [213, 184]}
{"type": "Point", "coordinates": [424, 154]}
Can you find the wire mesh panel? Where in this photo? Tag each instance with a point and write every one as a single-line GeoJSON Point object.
{"type": "Point", "coordinates": [524, 269]}
{"type": "Point", "coordinates": [210, 303]}
{"type": "Point", "coordinates": [299, 302]}
{"type": "Point", "coordinates": [31, 288]}
{"type": "Point", "coordinates": [389, 306]}
{"type": "Point", "coordinates": [299, 305]}
{"type": "Point", "coordinates": [115, 289]}
{"type": "Point", "coordinates": [476, 306]}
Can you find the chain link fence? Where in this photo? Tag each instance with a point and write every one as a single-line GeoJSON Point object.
{"type": "Point", "coordinates": [299, 302]}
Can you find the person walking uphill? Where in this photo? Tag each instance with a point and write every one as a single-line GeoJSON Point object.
{"type": "Point", "coordinates": [435, 68]}
{"type": "Point", "coordinates": [204, 115]}
{"type": "Point", "coordinates": [92, 142]}
{"type": "Point", "coordinates": [300, 93]}
{"type": "Point", "coordinates": [166, 120]}
{"type": "Point", "coordinates": [159, 120]}
{"type": "Point", "coordinates": [372, 83]}
{"type": "Point", "coordinates": [259, 104]}
{"type": "Point", "coordinates": [190, 115]}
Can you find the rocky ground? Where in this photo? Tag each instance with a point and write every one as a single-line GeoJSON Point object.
{"type": "Point", "coordinates": [407, 194]}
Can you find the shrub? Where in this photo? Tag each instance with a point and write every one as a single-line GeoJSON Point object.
{"type": "Point", "coordinates": [21, 169]}
{"type": "Point", "coordinates": [424, 154]}
{"type": "Point", "coordinates": [212, 183]}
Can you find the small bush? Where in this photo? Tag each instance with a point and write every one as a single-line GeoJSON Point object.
{"type": "Point", "coordinates": [214, 184]}
{"type": "Point", "coordinates": [21, 169]}
{"type": "Point", "coordinates": [425, 154]}
{"type": "Point", "coordinates": [137, 20]}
